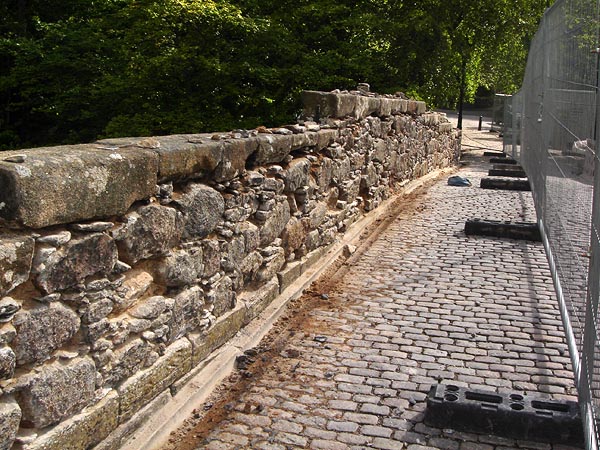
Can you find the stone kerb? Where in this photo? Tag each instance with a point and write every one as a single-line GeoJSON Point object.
{"type": "Point", "coordinates": [125, 263]}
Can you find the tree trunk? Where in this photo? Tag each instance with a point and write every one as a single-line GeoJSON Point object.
{"type": "Point", "coordinates": [461, 95]}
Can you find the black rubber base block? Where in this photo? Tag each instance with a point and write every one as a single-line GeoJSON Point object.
{"type": "Point", "coordinates": [493, 153]}
{"type": "Point", "coordinates": [507, 173]}
{"type": "Point", "coordinates": [514, 415]}
{"type": "Point", "coordinates": [502, 160]}
{"type": "Point", "coordinates": [496, 228]}
{"type": "Point", "coordinates": [507, 184]}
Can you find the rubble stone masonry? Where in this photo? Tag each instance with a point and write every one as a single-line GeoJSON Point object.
{"type": "Point", "coordinates": [125, 263]}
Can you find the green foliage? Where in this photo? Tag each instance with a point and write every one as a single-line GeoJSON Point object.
{"type": "Point", "coordinates": [90, 69]}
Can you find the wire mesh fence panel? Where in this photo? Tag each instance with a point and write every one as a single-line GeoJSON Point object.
{"type": "Point", "coordinates": [553, 131]}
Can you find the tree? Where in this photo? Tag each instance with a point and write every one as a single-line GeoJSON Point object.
{"type": "Point", "coordinates": [141, 67]}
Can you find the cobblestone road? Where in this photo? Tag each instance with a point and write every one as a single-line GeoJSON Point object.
{"type": "Point", "coordinates": [424, 302]}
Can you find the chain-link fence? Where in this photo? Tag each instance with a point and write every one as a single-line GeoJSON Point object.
{"type": "Point", "coordinates": [551, 127]}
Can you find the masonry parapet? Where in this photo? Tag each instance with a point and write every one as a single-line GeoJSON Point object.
{"type": "Point", "coordinates": [126, 262]}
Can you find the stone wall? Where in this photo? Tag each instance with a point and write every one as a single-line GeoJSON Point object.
{"type": "Point", "coordinates": [125, 263]}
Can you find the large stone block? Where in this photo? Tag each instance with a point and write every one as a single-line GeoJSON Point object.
{"type": "Point", "coordinates": [56, 392]}
{"type": "Point", "coordinates": [272, 148]}
{"type": "Point", "coordinates": [297, 174]}
{"type": "Point", "coordinates": [150, 231]}
{"type": "Point", "coordinates": [235, 155]}
{"type": "Point", "coordinates": [271, 265]}
{"type": "Point", "coordinates": [10, 416]}
{"type": "Point", "coordinates": [137, 282]}
{"type": "Point", "coordinates": [126, 361]}
{"type": "Point", "coordinates": [275, 224]}
{"type": "Point", "coordinates": [326, 104]}
{"type": "Point", "coordinates": [148, 383]}
{"type": "Point", "coordinates": [203, 208]}
{"type": "Point", "coordinates": [222, 296]}
{"type": "Point", "coordinates": [83, 430]}
{"type": "Point", "coordinates": [289, 274]}
{"type": "Point", "coordinates": [256, 301]}
{"type": "Point", "coordinates": [218, 334]}
{"type": "Point", "coordinates": [94, 254]}
{"type": "Point", "coordinates": [326, 137]}
{"type": "Point", "coordinates": [16, 254]}
{"type": "Point", "coordinates": [293, 235]}
{"type": "Point", "coordinates": [42, 330]}
{"type": "Point", "coordinates": [187, 311]}
{"type": "Point", "coordinates": [57, 185]}
{"type": "Point", "coordinates": [181, 267]}
{"type": "Point", "coordinates": [179, 156]}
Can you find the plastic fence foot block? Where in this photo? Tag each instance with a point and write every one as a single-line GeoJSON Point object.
{"type": "Point", "coordinates": [507, 173]}
{"type": "Point", "coordinates": [496, 228]}
{"type": "Point", "coordinates": [493, 153]}
{"type": "Point", "coordinates": [502, 160]}
{"type": "Point", "coordinates": [514, 415]}
{"type": "Point", "coordinates": [506, 166]}
{"type": "Point", "coordinates": [505, 184]}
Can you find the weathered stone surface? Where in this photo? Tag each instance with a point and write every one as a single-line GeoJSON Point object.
{"type": "Point", "coordinates": [187, 311]}
{"type": "Point", "coordinates": [326, 137]}
{"type": "Point", "coordinates": [272, 148]}
{"type": "Point", "coordinates": [136, 284]}
{"type": "Point", "coordinates": [7, 333]}
{"type": "Point", "coordinates": [256, 301]}
{"type": "Point", "coordinates": [148, 383]}
{"type": "Point", "coordinates": [56, 391]}
{"type": "Point", "coordinates": [275, 223]}
{"type": "Point", "coordinates": [10, 415]}
{"type": "Point", "coordinates": [126, 361]}
{"type": "Point", "coordinates": [251, 235]}
{"type": "Point", "coordinates": [239, 233]}
{"type": "Point", "coordinates": [235, 154]}
{"type": "Point", "coordinates": [271, 265]}
{"type": "Point", "coordinates": [324, 104]}
{"type": "Point", "coordinates": [202, 208]}
{"type": "Point", "coordinates": [180, 156]}
{"type": "Point", "coordinates": [219, 333]}
{"type": "Point", "coordinates": [83, 430]}
{"type": "Point", "coordinates": [119, 438]}
{"type": "Point", "coordinates": [297, 174]}
{"type": "Point", "coordinates": [294, 235]}
{"type": "Point", "coordinates": [65, 184]}
{"type": "Point", "coordinates": [8, 362]}
{"type": "Point", "coordinates": [8, 308]}
{"type": "Point", "coordinates": [222, 296]}
{"type": "Point", "coordinates": [151, 308]}
{"type": "Point", "coordinates": [95, 254]}
{"type": "Point", "coordinates": [233, 252]}
{"type": "Point", "coordinates": [251, 264]}
{"type": "Point", "coordinates": [55, 239]}
{"type": "Point", "coordinates": [16, 254]}
{"type": "Point", "coordinates": [42, 330]}
{"type": "Point", "coordinates": [150, 231]}
{"type": "Point", "coordinates": [96, 310]}
{"type": "Point", "coordinates": [323, 173]}
{"type": "Point", "coordinates": [289, 274]}
{"type": "Point", "coordinates": [181, 267]}
{"type": "Point", "coordinates": [211, 257]}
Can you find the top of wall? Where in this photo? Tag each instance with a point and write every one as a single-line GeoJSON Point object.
{"type": "Point", "coordinates": [358, 104]}
{"type": "Point", "coordinates": [57, 185]}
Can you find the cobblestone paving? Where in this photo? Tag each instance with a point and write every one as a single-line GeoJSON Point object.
{"type": "Point", "coordinates": [423, 303]}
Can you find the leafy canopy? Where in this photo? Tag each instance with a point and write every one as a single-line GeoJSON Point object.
{"type": "Point", "coordinates": [89, 69]}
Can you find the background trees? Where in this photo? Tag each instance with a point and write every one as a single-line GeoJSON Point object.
{"type": "Point", "coordinates": [89, 69]}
